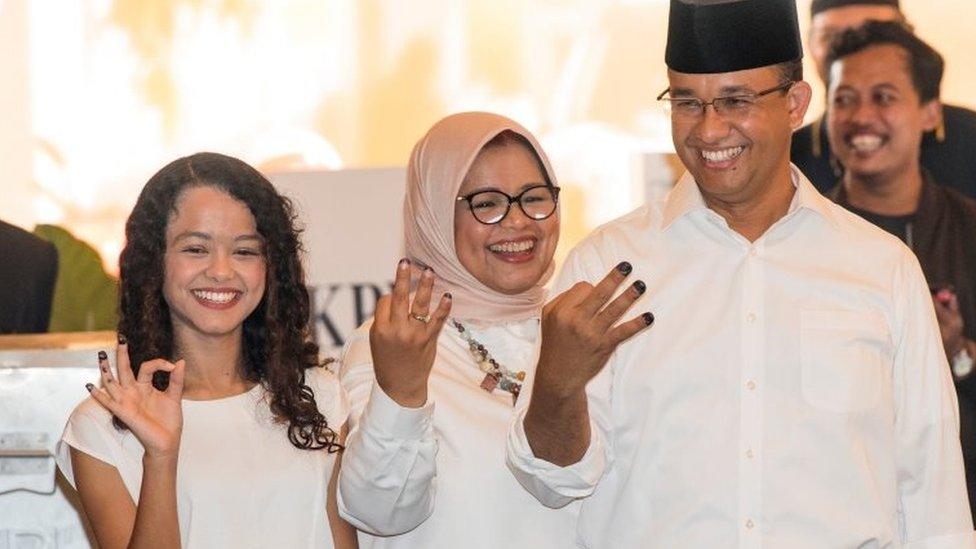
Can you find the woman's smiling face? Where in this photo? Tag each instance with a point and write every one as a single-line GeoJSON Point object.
{"type": "Point", "coordinates": [510, 256]}
{"type": "Point", "coordinates": [214, 265]}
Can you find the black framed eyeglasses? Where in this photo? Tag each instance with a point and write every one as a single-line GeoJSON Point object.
{"type": "Point", "coordinates": [490, 207]}
{"type": "Point", "coordinates": [728, 106]}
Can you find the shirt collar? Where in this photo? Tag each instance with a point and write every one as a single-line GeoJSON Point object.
{"type": "Point", "coordinates": [809, 198]}
{"type": "Point", "coordinates": [686, 197]}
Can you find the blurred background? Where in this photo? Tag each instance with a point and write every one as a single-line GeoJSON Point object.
{"type": "Point", "coordinates": [99, 94]}
{"type": "Point", "coordinates": [327, 97]}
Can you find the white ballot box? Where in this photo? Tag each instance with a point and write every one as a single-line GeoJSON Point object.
{"type": "Point", "coordinates": [42, 378]}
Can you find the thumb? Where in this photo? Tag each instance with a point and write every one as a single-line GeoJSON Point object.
{"type": "Point", "coordinates": [176, 377]}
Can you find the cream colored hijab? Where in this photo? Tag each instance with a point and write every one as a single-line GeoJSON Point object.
{"type": "Point", "coordinates": [438, 164]}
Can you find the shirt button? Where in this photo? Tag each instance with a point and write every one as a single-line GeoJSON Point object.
{"type": "Point", "coordinates": [750, 318]}
{"type": "Point", "coordinates": [751, 385]}
{"type": "Point", "coordinates": [750, 454]}
{"type": "Point", "coordinates": [750, 524]}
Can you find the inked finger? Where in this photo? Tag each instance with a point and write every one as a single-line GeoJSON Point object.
{"type": "Point", "coordinates": [102, 397]}
{"type": "Point", "coordinates": [150, 367]}
{"type": "Point", "coordinates": [629, 329]}
{"type": "Point", "coordinates": [122, 364]}
{"type": "Point", "coordinates": [441, 313]}
{"type": "Point", "coordinates": [108, 379]}
{"type": "Point", "coordinates": [176, 377]}
{"type": "Point", "coordinates": [621, 304]}
{"type": "Point", "coordinates": [602, 292]}
{"type": "Point", "coordinates": [399, 305]}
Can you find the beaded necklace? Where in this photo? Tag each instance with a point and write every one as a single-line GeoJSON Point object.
{"type": "Point", "coordinates": [496, 375]}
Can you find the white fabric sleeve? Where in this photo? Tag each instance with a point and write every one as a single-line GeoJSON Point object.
{"type": "Point", "coordinates": [90, 430]}
{"type": "Point", "coordinates": [387, 480]}
{"type": "Point", "coordinates": [552, 485]}
{"type": "Point", "coordinates": [934, 507]}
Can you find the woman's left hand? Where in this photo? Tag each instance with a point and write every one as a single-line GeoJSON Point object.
{"type": "Point", "coordinates": [403, 337]}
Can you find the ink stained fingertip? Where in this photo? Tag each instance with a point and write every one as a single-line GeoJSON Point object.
{"type": "Point", "coordinates": [625, 267]}
{"type": "Point", "coordinates": [90, 387]}
{"type": "Point", "coordinates": [648, 318]}
{"type": "Point", "coordinates": [102, 355]}
{"type": "Point", "coordinates": [122, 340]}
{"type": "Point", "coordinates": [640, 287]}
{"type": "Point", "coordinates": [448, 295]}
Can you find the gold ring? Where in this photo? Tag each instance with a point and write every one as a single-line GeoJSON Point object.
{"type": "Point", "coordinates": [423, 318]}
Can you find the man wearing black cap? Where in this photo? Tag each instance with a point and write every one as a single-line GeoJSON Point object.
{"type": "Point", "coordinates": [946, 150]}
{"type": "Point", "coordinates": [793, 391]}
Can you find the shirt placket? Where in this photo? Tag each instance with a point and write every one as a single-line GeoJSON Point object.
{"type": "Point", "coordinates": [751, 389]}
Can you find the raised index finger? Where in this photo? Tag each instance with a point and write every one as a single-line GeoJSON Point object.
{"type": "Point", "coordinates": [602, 292]}
{"type": "Point", "coordinates": [126, 377]}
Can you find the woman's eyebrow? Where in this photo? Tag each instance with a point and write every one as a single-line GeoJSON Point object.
{"type": "Point", "coordinates": [522, 188]}
{"type": "Point", "coordinates": [207, 236]}
{"type": "Point", "coordinates": [192, 234]}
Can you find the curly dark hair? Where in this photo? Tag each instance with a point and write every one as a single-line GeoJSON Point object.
{"type": "Point", "coordinates": [277, 345]}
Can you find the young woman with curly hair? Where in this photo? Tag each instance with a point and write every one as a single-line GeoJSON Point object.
{"type": "Point", "coordinates": [221, 427]}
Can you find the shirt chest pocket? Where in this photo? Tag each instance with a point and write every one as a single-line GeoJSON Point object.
{"type": "Point", "coordinates": [842, 359]}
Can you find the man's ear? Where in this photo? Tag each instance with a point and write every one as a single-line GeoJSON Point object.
{"type": "Point", "coordinates": [798, 101]}
{"type": "Point", "coordinates": [931, 115]}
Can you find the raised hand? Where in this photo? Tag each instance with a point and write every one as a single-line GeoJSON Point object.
{"type": "Point", "coordinates": [578, 336]}
{"type": "Point", "coordinates": [950, 321]}
{"type": "Point", "coordinates": [155, 417]}
{"type": "Point", "coordinates": [403, 337]}
{"type": "Point", "coordinates": [578, 331]}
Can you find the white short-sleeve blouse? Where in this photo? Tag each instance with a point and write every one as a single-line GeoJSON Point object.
{"type": "Point", "coordinates": [240, 482]}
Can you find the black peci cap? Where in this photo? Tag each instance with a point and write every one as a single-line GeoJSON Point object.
{"type": "Point", "coordinates": [716, 36]}
{"type": "Point", "coordinates": [823, 5]}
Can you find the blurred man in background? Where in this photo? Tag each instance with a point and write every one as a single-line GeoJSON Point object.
{"type": "Point", "coordinates": [883, 96]}
{"type": "Point", "coordinates": [946, 149]}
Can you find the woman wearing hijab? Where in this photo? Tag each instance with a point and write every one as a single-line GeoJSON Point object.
{"type": "Point", "coordinates": [433, 380]}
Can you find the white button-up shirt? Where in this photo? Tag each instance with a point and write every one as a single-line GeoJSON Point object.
{"type": "Point", "coordinates": [793, 392]}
